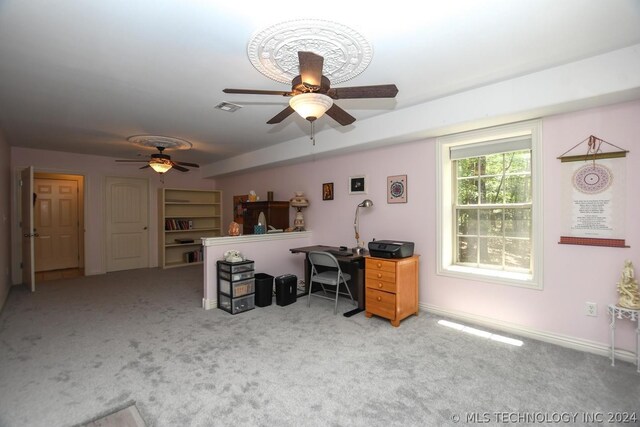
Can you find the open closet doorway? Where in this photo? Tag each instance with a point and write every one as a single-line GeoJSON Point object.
{"type": "Point", "coordinates": [59, 225]}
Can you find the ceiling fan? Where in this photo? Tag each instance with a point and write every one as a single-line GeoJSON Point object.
{"type": "Point", "coordinates": [312, 95]}
{"type": "Point", "coordinates": [161, 162]}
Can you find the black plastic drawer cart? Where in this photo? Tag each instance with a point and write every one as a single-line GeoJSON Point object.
{"type": "Point", "coordinates": [236, 286]}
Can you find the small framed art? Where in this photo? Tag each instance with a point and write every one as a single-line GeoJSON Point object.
{"type": "Point", "coordinates": [397, 189]}
{"type": "Point", "coordinates": [358, 184]}
{"type": "Point", "coordinates": [327, 191]}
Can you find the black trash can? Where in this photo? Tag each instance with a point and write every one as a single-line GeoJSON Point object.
{"type": "Point", "coordinates": [286, 289]}
{"type": "Point", "coordinates": [264, 289]}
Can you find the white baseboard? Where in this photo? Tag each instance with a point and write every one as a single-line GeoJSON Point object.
{"type": "Point", "coordinates": [208, 304]}
{"type": "Point", "coordinates": [553, 338]}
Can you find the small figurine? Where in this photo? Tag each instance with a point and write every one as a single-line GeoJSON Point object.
{"type": "Point", "coordinates": [234, 229]}
{"type": "Point", "coordinates": [628, 288]}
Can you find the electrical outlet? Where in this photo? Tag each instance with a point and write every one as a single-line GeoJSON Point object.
{"type": "Point", "coordinates": [591, 309]}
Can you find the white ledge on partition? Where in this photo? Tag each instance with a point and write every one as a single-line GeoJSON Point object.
{"type": "Point", "coordinates": [226, 240]}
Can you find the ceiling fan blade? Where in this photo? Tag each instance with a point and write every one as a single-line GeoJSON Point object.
{"type": "Point", "coordinates": [281, 116]}
{"type": "Point", "coordinates": [257, 92]}
{"type": "Point", "coordinates": [311, 68]}
{"type": "Point", "coordinates": [133, 161]}
{"type": "Point", "coordinates": [144, 167]}
{"type": "Point", "coordinates": [340, 116]}
{"type": "Point", "coordinates": [178, 167]}
{"type": "Point", "coordinates": [191, 165]}
{"type": "Point", "coordinates": [378, 91]}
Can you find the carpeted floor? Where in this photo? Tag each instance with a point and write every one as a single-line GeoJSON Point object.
{"type": "Point", "coordinates": [83, 346]}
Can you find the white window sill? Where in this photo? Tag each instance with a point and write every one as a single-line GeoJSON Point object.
{"type": "Point", "coordinates": [491, 276]}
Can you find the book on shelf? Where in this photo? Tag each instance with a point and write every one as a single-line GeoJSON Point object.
{"type": "Point", "coordinates": [183, 241]}
{"type": "Point", "coordinates": [193, 256]}
{"type": "Point", "coordinates": [171, 224]}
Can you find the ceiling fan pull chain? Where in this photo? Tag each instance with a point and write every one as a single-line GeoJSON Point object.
{"type": "Point", "coordinates": [313, 134]}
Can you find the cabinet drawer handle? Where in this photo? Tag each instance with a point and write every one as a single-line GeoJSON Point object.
{"type": "Point", "coordinates": [379, 265]}
{"type": "Point", "coordinates": [379, 298]}
{"type": "Point", "coordinates": [379, 275]}
{"type": "Point", "coordinates": [379, 285]}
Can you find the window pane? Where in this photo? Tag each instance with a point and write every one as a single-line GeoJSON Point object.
{"type": "Point", "coordinates": [517, 222]}
{"type": "Point", "coordinates": [491, 190]}
{"type": "Point", "coordinates": [467, 220]}
{"type": "Point", "coordinates": [518, 254]}
{"type": "Point", "coordinates": [467, 250]}
{"type": "Point", "coordinates": [493, 164]}
{"type": "Point", "coordinates": [500, 179]}
{"type": "Point", "coordinates": [468, 191]}
{"type": "Point", "coordinates": [519, 161]}
{"type": "Point", "coordinates": [490, 249]}
{"type": "Point", "coordinates": [491, 222]}
{"type": "Point", "coordinates": [518, 189]}
{"type": "Point", "coordinates": [468, 167]}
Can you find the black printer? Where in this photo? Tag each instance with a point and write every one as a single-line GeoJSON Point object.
{"type": "Point", "coordinates": [390, 249]}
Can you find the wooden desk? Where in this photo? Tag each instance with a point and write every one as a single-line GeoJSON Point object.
{"type": "Point", "coordinates": [353, 264]}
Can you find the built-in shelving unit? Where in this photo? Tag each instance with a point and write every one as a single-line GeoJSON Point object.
{"type": "Point", "coordinates": [186, 216]}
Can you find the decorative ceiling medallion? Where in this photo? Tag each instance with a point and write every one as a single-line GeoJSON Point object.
{"type": "Point", "coordinates": [160, 141]}
{"type": "Point", "coordinates": [274, 50]}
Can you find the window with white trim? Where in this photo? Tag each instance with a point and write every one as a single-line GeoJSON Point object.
{"type": "Point", "coordinates": [489, 205]}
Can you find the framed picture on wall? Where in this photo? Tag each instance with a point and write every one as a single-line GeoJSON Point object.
{"type": "Point", "coordinates": [397, 189]}
{"type": "Point", "coordinates": [327, 191]}
{"type": "Point", "coordinates": [358, 184]}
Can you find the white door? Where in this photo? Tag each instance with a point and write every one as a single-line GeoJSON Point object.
{"type": "Point", "coordinates": [127, 216]}
{"type": "Point", "coordinates": [28, 231]}
{"type": "Point", "coordinates": [56, 219]}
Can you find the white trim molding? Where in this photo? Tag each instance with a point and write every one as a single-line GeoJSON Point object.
{"type": "Point", "coordinates": [223, 241]}
{"type": "Point", "coordinates": [523, 331]}
{"type": "Point", "coordinates": [444, 201]}
{"type": "Point", "coordinates": [208, 304]}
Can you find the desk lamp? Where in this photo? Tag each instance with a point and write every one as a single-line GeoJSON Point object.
{"type": "Point", "coordinates": [356, 225]}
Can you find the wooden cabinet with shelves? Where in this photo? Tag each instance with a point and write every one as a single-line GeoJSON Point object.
{"type": "Point", "coordinates": [185, 216]}
{"type": "Point", "coordinates": [391, 288]}
{"type": "Point", "coordinates": [276, 214]}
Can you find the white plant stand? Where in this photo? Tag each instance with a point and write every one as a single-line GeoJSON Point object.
{"type": "Point", "coordinates": [617, 312]}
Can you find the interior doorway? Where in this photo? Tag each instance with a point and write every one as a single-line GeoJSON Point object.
{"type": "Point", "coordinates": [127, 223]}
{"type": "Point", "coordinates": [59, 225]}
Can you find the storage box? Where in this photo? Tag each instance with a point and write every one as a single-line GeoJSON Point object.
{"type": "Point", "coordinates": [236, 305]}
{"type": "Point", "coordinates": [286, 289]}
{"type": "Point", "coordinates": [237, 289]}
{"type": "Point", "coordinates": [236, 267]}
{"type": "Point", "coordinates": [236, 276]}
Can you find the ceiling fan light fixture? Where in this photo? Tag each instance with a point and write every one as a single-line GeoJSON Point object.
{"type": "Point", "coordinates": [311, 106]}
{"type": "Point", "coordinates": [160, 165]}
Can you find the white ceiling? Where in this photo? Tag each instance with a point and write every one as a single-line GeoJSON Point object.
{"type": "Point", "coordinates": [83, 75]}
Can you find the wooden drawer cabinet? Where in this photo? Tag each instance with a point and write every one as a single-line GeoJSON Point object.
{"type": "Point", "coordinates": [391, 288]}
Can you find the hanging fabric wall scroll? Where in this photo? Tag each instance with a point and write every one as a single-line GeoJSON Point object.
{"type": "Point", "coordinates": [593, 195]}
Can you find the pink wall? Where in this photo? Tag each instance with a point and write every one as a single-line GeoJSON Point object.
{"type": "Point", "coordinates": [572, 274]}
{"type": "Point", "coordinates": [5, 214]}
{"type": "Point", "coordinates": [95, 169]}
